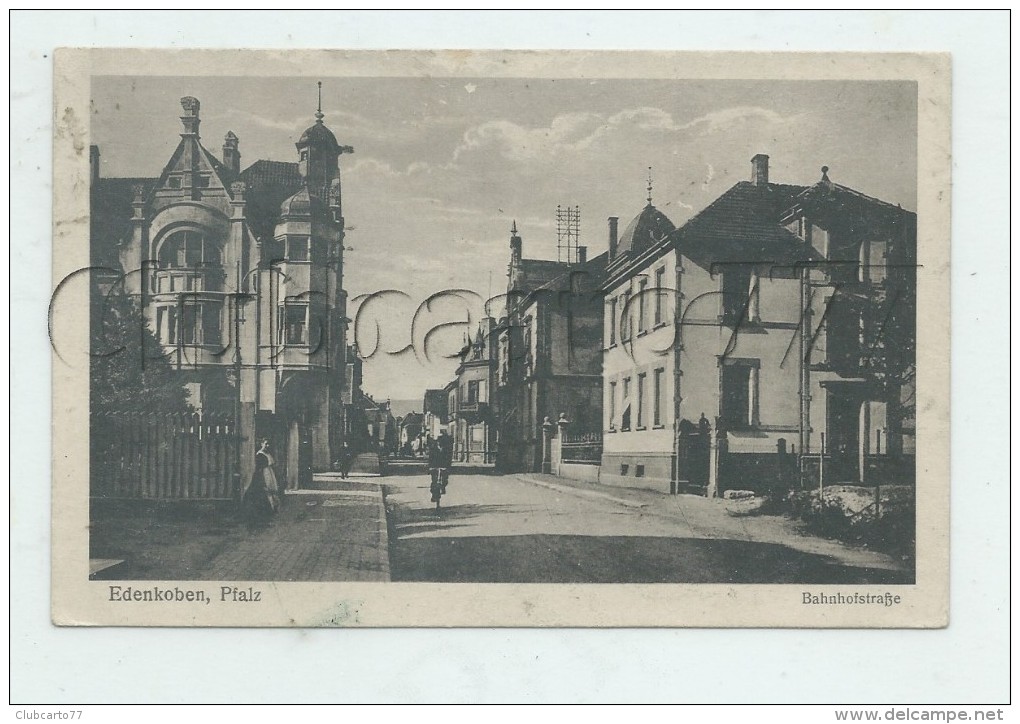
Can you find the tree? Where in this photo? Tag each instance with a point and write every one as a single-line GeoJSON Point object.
{"type": "Point", "coordinates": [127, 371]}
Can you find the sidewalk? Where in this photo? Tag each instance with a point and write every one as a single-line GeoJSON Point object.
{"type": "Point", "coordinates": [698, 517]}
{"type": "Point", "coordinates": [335, 532]}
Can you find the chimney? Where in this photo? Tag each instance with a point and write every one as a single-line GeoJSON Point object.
{"type": "Point", "coordinates": [760, 170]}
{"type": "Point", "coordinates": [582, 254]}
{"type": "Point", "coordinates": [231, 156]}
{"type": "Point", "coordinates": [94, 164]}
{"type": "Point", "coordinates": [190, 119]}
{"type": "Point", "coordinates": [614, 223]}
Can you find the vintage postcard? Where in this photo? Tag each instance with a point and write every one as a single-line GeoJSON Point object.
{"type": "Point", "coordinates": [500, 338]}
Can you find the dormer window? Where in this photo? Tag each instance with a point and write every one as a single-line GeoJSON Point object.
{"type": "Point", "coordinates": [872, 262]}
{"type": "Point", "coordinates": [174, 182]}
{"type": "Point", "coordinates": [202, 181]}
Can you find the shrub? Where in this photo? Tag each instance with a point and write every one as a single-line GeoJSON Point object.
{"type": "Point", "coordinates": [848, 513]}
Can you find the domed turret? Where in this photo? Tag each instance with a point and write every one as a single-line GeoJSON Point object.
{"type": "Point", "coordinates": [318, 153]}
{"type": "Point", "coordinates": [318, 134]}
{"type": "Point", "coordinates": [647, 228]}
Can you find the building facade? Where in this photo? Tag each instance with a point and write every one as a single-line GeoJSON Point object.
{"type": "Point", "coordinates": [638, 360]}
{"type": "Point", "coordinates": [549, 352]}
{"type": "Point", "coordinates": [410, 435]}
{"type": "Point", "coordinates": [859, 335]}
{"type": "Point", "coordinates": [473, 413]}
{"type": "Point", "coordinates": [239, 274]}
{"type": "Point", "coordinates": [735, 345]}
{"type": "Point", "coordinates": [436, 413]}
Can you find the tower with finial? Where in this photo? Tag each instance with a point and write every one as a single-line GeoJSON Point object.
{"type": "Point", "coordinates": [826, 181]}
{"type": "Point", "coordinates": [649, 185]}
{"type": "Point", "coordinates": [318, 154]}
{"type": "Point", "coordinates": [516, 246]}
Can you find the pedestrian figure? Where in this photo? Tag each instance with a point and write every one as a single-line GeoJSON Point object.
{"type": "Point", "coordinates": [262, 498]}
{"type": "Point", "coordinates": [344, 464]}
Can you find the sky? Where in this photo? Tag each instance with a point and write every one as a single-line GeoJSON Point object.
{"type": "Point", "coordinates": [442, 167]}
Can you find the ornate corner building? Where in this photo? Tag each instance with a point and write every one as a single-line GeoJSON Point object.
{"type": "Point", "coordinates": [239, 275]}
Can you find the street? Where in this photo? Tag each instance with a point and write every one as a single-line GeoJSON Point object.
{"type": "Point", "coordinates": [491, 528]}
{"type": "Point", "coordinates": [539, 529]}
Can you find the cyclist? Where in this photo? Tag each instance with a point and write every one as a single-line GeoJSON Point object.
{"type": "Point", "coordinates": [440, 456]}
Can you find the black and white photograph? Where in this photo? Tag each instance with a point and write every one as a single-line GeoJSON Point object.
{"type": "Point", "coordinates": [500, 328]}
{"type": "Point", "coordinates": [510, 357]}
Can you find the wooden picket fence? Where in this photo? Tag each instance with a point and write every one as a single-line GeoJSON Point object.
{"type": "Point", "coordinates": [163, 456]}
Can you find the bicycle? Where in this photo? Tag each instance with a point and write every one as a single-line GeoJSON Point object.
{"type": "Point", "coordinates": [440, 479]}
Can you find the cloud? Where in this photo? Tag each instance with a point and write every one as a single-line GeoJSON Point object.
{"type": "Point", "coordinates": [521, 143]}
{"type": "Point", "coordinates": [443, 218]}
{"type": "Point", "coordinates": [729, 117]}
{"type": "Point", "coordinates": [576, 132]}
{"type": "Point", "coordinates": [366, 166]}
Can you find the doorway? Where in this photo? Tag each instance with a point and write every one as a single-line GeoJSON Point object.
{"type": "Point", "coordinates": [843, 444]}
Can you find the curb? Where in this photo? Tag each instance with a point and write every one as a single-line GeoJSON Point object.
{"type": "Point", "coordinates": [581, 492]}
{"type": "Point", "coordinates": [384, 537]}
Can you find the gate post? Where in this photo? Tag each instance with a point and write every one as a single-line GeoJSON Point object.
{"type": "Point", "coordinates": [547, 428]}
{"type": "Point", "coordinates": [716, 451]}
{"type": "Point", "coordinates": [561, 431]}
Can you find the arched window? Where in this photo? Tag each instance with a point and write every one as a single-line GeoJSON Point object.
{"type": "Point", "coordinates": [188, 249]}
